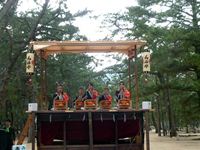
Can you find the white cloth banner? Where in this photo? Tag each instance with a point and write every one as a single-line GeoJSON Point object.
{"type": "Point", "coordinates": [30, 63]}
{"type": "Point", "coordinates": [146, 61]}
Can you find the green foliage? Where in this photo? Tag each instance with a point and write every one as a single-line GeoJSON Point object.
{"type": "Point", "coordinates": [71, 69]}
{"type": "Point", "coordinates": [45, 22]}
{"type": "Point", "coordinates": [172, 35]}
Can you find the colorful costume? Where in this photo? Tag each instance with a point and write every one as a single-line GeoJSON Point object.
{"type": "Point", "coordinates": [80, 97]}
{"type": "Point", "coordinates": [121, 94]}
{"type": "Point", "coordinates": [62, 96]}
{"type": "Point", "coordinates": [91, 95]}
{"type": "Point", "coordinates": [105, 97]}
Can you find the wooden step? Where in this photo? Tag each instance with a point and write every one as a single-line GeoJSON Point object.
{"type": "Point", "coordinates": [25, 130]}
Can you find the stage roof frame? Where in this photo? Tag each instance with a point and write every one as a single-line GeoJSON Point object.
{"type": "Point", "coordinates": [59, 47]}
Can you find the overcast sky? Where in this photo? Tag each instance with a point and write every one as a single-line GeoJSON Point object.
{"type": "Point", "coordinates": [91, 27]}
{"type": "Point", "coordinates": [88, 26]}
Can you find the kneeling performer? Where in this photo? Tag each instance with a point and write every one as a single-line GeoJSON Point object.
{"type": "Point", "coordinates": [60, 99]}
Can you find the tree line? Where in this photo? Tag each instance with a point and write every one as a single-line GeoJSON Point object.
{"type": "Point", "coordinates": [171, 29]}
{"type": "Point", "coordinates": [18, 28]}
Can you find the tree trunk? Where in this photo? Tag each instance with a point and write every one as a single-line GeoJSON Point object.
{"type": "Point", "coordinates": [7, 75]}
{"type": "Point", "coordinates": [154, 122]}
{"type": "Point", "coordinates": [158, 109]}
{"type": "Point", "coordinates": [172, 127]}
{"type": "Point", "coordinates": [196, 45]}
{"type": "Point", "coordinates": [198, 80]}
{"type": "Point", "coordinates": [163, 110]}
{"type": "Point", "coordinates": [7, 7]}
{"type": "Point", "coordinates": [162, 103]}
{"type": "Point", "coordinates": [194, 14]}
{"type": "Point", "coordinates": [158, 116]}
{"type": "Point", "coordinates": [186, 129]}
{"type": "Point", "coordinates": [163, 125]}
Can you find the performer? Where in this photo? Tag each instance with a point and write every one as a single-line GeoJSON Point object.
{"type": "Point", "coordinates": [60, 95]}
{"type": "Point", "coordinates": [91, 93]}
{"type": "Point", "coordinates": [81, 94]}
{"type": "Point", "coordinates": [78, 102]}
{"type": "Point", "coordinates": [106, 95]}
{"type": "Point", "coordinates": [122, 92]}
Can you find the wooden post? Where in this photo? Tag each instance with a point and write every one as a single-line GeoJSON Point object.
{"type": "Point", "coordinates": [64, 136]}
{"type": "Point", "coordinates": [140, 137]}
{"type": "Point", "coordinates": [33, 130]}
{"type": "Point", "coordinates": [136, 81]}
{"type": "Point", "coordinates": [147, 130]}
{"type": "Point", "coordinates": [43, 90]}
{"type": "Point", "coordinates": [158, 115]}
{"type": "Point", "coordinates": [129, 81]}
{"type": "Point", "coordinates": [29, 124]}
{"type": "Point", "coordinates": [90, 130]}
{"type": "Point", "coordinates": [116, 134]}
{"type": "Point", "coordinates": [38, 133]}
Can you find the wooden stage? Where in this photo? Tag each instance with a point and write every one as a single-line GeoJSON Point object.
{"type": "Point", "coordinates": [89, 130]}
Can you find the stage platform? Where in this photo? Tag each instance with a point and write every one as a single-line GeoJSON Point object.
{"type": "Point", "coordinates": [89, 130]}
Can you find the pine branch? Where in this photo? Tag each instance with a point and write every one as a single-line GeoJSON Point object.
{"type": "Point", "coordinates": [7, 7]}
{"type": "Point", "coordinates": [34, 28]}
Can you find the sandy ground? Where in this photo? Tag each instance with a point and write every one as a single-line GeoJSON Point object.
{"type": "Point", "coordinates": [180, 143]}
{"type": "Point", "coordinates": [167, 143]}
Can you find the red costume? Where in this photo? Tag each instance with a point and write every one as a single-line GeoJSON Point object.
{"type": "Point", "coordinates": [63, 96]}
{"type": "Point", "coordinates": [126, 94]}
{"type": "Point", "coordinates": [121, 94]}
{"type": "Point", "coordinates": [105, 97]}
{"type": "Point", "coordinates": [92, 94]}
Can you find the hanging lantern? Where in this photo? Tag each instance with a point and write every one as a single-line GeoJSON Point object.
{"type": "Point", "coordinates": [30, 63]}
{"type": "Point", "coordinates": [146, 61]}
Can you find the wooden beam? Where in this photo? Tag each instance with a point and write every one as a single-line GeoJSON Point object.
{"type": "Point", "coordinates": [33, 131]}
{"type": "Point", "coordinates": [136, 82]}
{"type": "Point", "coordinates": [147, 130]}
{"type": "Point", "coordinates": [24, 132]}
{"type": "Point", "coordinates": [51, 47]}
{"type": "Point", "coordinates": [64, 135]}
{"type": "Point", "coordinates": [43, 84]}
{"type": "Point", "coordinates": [129, 81]}
{"type": "Point", "coordinates": [90, 130]}
{"type": "Point", "coordinates": [90, 43]}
